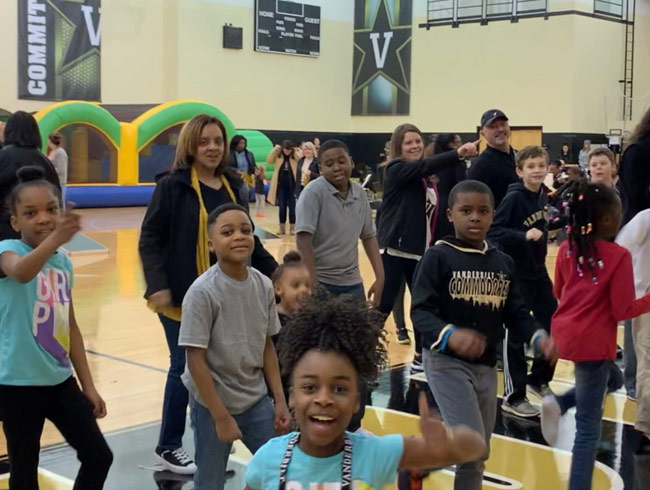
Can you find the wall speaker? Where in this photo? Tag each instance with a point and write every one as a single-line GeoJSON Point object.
{"type": "Point", "coordinates": [232, 37]}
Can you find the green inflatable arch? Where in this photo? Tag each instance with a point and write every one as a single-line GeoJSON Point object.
{"type": "Point", "coordinates": [80, 113]}
{"type": "Point", "coordinates": [152, 123]}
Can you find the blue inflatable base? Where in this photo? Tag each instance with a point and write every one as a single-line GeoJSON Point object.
{"type": "Point", "coordinates": [109, 196]}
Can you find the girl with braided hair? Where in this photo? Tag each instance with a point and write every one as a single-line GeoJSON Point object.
{"type": "Point", "coordinates": [326, 348]}
{"type": "Point", "coordinates": [594, 285]}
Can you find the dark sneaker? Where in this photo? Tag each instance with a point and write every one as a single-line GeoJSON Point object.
{"type": "Point", "coordinates": [540, 391]}
{"type": "Point", "coordinates": [416, 366]}
{"type": "Point", "coordinates": [521, 408]}
{"type": "Point", "coordinates": [176, 461]}
{"type": "Point", "coordinates": [403, 337]}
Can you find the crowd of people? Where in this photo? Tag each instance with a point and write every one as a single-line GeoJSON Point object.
{"type": "Point", "coordinates": [284, 356]}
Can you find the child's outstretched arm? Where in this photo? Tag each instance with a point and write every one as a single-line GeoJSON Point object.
{"type": "Point", "coordinates": [80, 363]}
{"type": "Point", "coordinates": [25, 268]}
{"type": "Point", "coordinates": [440, 445]}
{"type": "Point", "coordinates": [225, 425]}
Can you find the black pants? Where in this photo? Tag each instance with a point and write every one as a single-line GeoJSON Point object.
{"type": "Point", "coordinates": [538, 295]}
{"type": "Point", "coordinates": [286, 198]}
{"type": "Point", "coordinates": [397, 270]}
{"type": "Point", "coordinates": [24, 410]}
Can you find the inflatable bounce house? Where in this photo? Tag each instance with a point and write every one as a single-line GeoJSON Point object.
{"type": "Point", "coordinates": [115, 151]}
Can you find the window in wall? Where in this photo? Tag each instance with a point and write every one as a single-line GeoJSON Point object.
{"type": "Point", "coordinates": [158, 155]}
{"type": "Point", "coordinates": [92, 158]}
{"type": "Point", "coordinates": [613, 8]}
{"type": "Point", "coordinates": [456, 11]}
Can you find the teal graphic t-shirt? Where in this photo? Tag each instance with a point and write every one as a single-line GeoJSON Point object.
{"type": "Point", "coordinates": [375, 461]}
{"type": "Point", "coordinates": [35, 322]}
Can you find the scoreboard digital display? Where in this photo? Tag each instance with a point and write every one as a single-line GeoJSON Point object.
{"type": "Point", "coordinates": [287, 27]}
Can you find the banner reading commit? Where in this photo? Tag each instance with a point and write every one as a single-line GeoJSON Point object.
{"type": "Point", "coordinates": [382, 57]}
{"type": "Point", "coordinates": [59, 55]}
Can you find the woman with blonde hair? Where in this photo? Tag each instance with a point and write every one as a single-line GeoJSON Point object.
{"type": "Point", "coordinates": [174, 252]}
{"type": "Point", "coordinates": [283, 184]}
{"type": "Point", "coordinates": [308, 167]}
{"type": "Point", "coordinates": [408, 212]}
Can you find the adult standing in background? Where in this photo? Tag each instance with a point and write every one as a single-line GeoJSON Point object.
{"type": "Point", "coordinates": [406, 218]}
{"type": "Point", "coordinates": [242, 162]}
{"type": "Point", "coordinates": [308, 167]}
{"type": "Point", "coordinates": [59, 159]}
{"type": "Point", "coordinates": [634, 184]}
{"type": "Point", "coordinates": [174, 252]}
{"type": "Point", "coordinates": [283, 184]}
{"type": "Point", "coordinates": [495, 167]}
{"type": "Point", "coordinates": [565, 154]}
{"type": "Point", "coordinates": [22, 149]}
{"type": "Point", "coordinates": [634, 171]}
{"type": "Point", "coordinates": [583, 156]}
{"type": "Point", "coordinates": [445, 180]}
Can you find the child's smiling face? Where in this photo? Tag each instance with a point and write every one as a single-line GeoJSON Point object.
{"type": "Point", "coordinates": [324, 396]}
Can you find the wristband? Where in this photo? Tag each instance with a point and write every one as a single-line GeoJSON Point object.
{"type": "Point", "coordinates": [445, 338]}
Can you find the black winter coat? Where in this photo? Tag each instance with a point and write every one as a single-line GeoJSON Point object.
{"type": "Point", "coordinates": [401, 220]}
{"type": "Point", "coordinates": [13, 158]}
{"type": "Point", "coordinates": [635, 179]}
{"type": "Point", "coordinates": [168, 238]}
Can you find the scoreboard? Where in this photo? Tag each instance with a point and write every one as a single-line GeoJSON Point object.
{"type": "Point", "coordinates": [287, 27]}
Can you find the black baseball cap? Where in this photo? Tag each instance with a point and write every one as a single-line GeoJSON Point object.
{"type": "Point", "coordinates": [492, 115]}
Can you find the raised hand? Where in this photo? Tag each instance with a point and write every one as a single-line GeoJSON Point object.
{"type": "Point", "coordinates": [468, 149]}
{"type": "Point", "coordinates": [67, 225]}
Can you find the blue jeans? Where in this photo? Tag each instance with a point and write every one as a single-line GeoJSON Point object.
{"type": "Point", "coordinates": [175, 400]}
{"type": "Point", "coordinates": [355, 290]}
{"type": "Point", "coordinates": [257, 425]}
{"type": "Point", "coordinates": [629, 358]}
{"type": "Point", "coordinates": [587, 397]}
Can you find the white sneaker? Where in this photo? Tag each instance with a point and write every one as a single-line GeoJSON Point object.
{"type": "Point", "coordinates": [551, 414]}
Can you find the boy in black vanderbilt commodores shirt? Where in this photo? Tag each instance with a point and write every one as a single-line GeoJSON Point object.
{"type": "Point", "coordinates": [520, 230]}
{"type": "Point", "coordinates": [462, 297]}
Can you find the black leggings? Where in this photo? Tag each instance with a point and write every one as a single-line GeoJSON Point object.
{"type": "Point", "coordinates": [24, 411]}
{"type": "Point", "coordinates": [286, 199]}
{"type": "Point", "coordinates": [397, 270]}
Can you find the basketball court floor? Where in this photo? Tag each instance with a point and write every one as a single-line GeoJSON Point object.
{"type": "Point", "coordinates": [128, 356]}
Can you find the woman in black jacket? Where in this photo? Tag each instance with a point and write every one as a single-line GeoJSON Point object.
{"type": "Point", "coordinates": [22, 149]}
{"type": "Point", "coordinates": [634, 172]}
{"type": "Point", "coordinates": [174, 252]}
{"type": "Point", "coordinates": [407, 211]}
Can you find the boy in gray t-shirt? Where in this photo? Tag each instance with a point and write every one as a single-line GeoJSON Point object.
{"type": "Point", "coordinates": [333, 215]}
{"type": "Point", "coordinates": [227, 322]}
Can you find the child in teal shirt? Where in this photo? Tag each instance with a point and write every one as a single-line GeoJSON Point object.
{"type": "Point", "coordinates": [326, 348]}
{"type": "Point", "coordinates": [41, 341]}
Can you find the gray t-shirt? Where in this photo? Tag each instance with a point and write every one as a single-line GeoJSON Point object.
{"type": "Point", "coordinates": [336, 224]}
{"type": "Point", "coordinates": [231, 319]}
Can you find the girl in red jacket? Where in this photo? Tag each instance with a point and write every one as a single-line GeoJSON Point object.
{"type": "Point", "coordinates": [595, 288]}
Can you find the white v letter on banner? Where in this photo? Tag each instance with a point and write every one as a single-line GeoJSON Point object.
{"type": "Point", "coordinates": [94, 35]}
{"type": "Point", "coordinates": [380, 59]}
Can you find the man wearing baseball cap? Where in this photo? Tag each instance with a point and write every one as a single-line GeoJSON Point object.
{"type": "Point", "coordinates": [496, 165]}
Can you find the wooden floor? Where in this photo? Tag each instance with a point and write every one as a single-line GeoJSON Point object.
{"type": "Point", "coordinates": [128, 354]}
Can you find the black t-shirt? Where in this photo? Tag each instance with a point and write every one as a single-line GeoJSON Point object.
{"type": "Point", "coordinates": [213, 198]}
{"type": "Point", "coordinates": [286, 179]}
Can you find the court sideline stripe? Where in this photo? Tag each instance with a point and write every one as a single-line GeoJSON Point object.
{"type": "Point", "coordinates": [127, 361]}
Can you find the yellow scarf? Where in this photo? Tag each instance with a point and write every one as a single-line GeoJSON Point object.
{"type": "Point", "coordinates": [202, 252]}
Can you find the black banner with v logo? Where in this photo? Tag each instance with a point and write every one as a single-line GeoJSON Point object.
{"type": "Point", "coordinates": [382, 57]}
{"type": "Point", "coordinates": [59, 52]}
